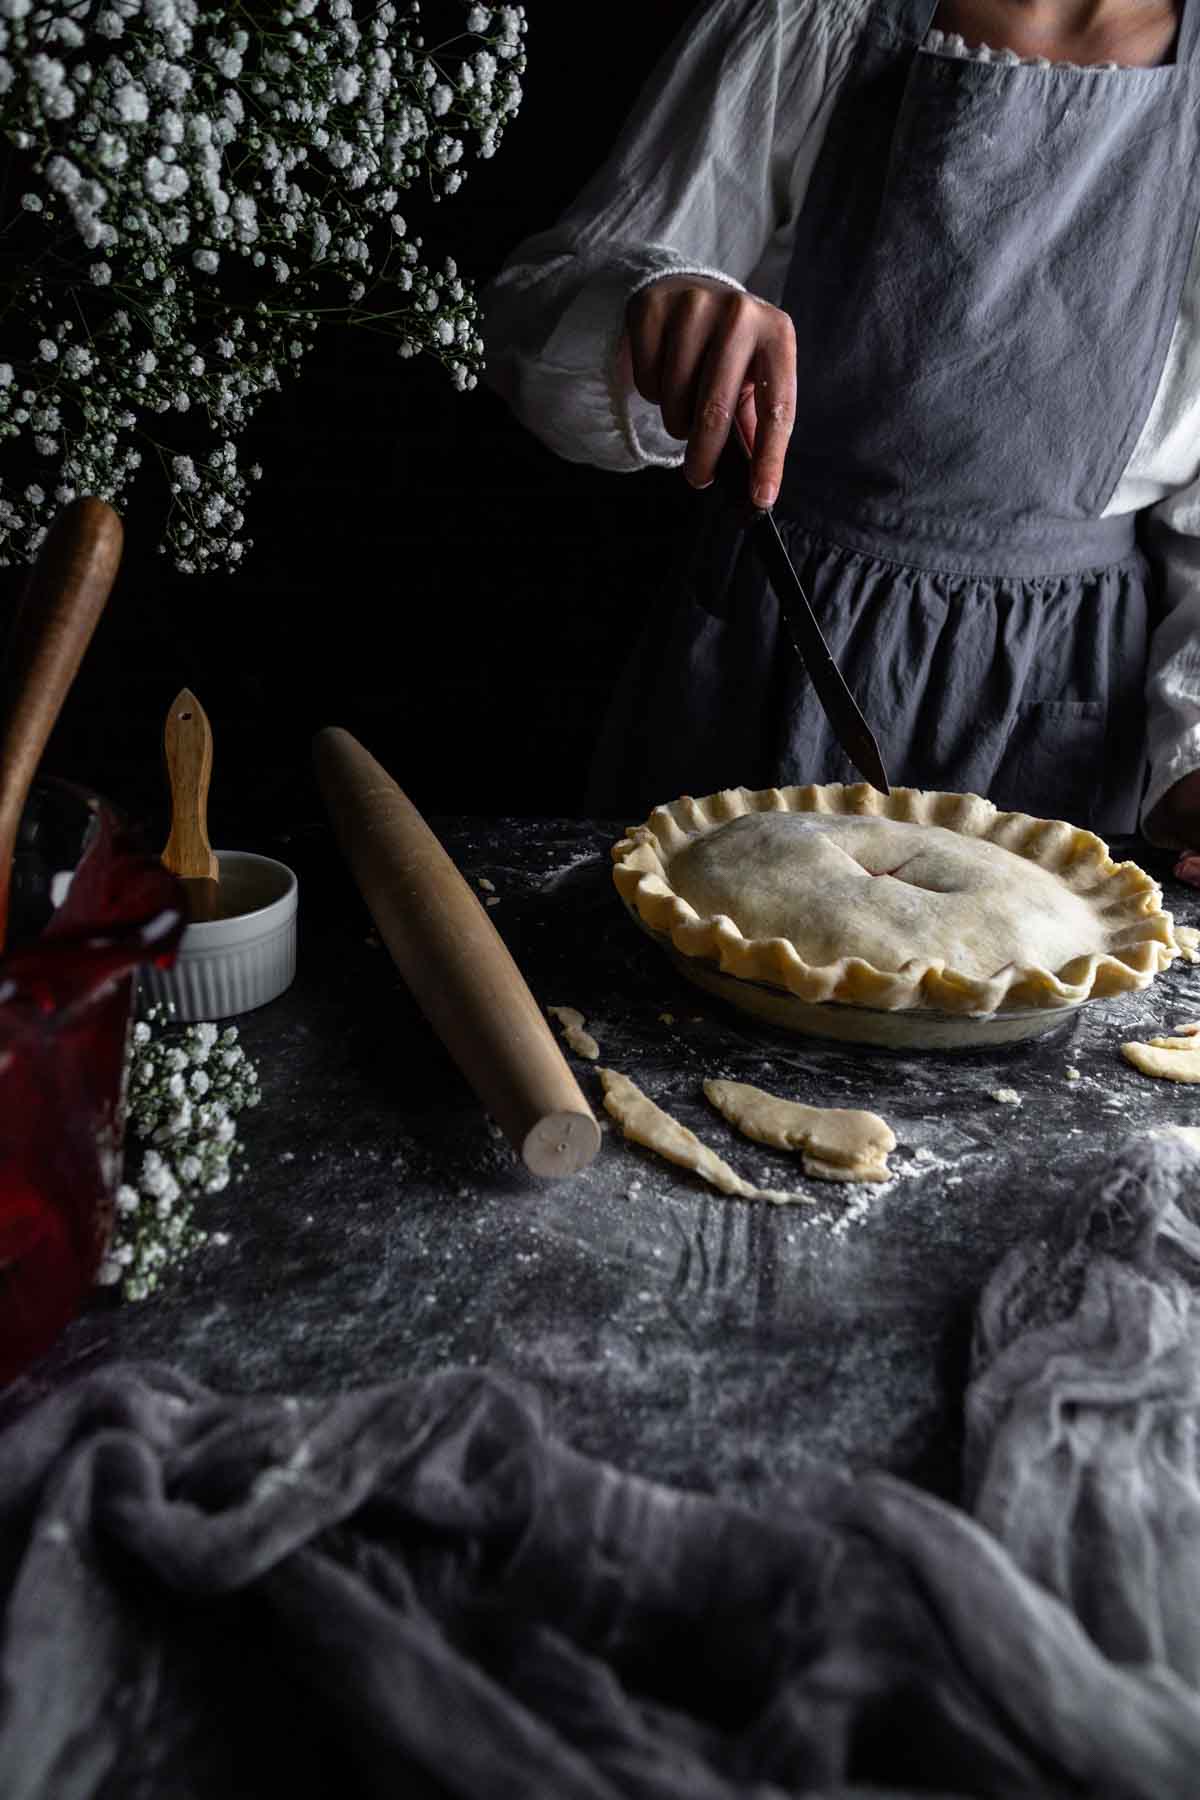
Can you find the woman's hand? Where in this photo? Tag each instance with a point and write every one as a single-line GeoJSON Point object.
{"type": "Point", "coordinates": [1175, 821]}
{"type": "Point", "coordinates": [707, 355]}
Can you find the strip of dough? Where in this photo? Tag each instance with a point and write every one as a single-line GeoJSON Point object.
{"type": "Point", "coordinates": [647, 1124]}
{"type": "Point", "coordinates": [1188, 939]}
{"type": "Point", "coordinates": [836, 1144]}
{"type": "Point", "coordinates": [1170, 1058]}
{"type": "Point", "coordinates": [579, 1040]}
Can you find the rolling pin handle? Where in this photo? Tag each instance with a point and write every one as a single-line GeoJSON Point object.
{"type": "Point", "coordinates": [560, 1144]}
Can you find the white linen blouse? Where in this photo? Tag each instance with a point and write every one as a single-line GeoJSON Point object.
{"type": "Point", "coordinates": [708, 178]}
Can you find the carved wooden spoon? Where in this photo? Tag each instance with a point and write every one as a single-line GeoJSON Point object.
{"type": "Point", "coordinates": [67, 590]}
{"type": "Point", "coordinates": [188, 747]}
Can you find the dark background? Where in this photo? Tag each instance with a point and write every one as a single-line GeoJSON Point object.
{"type": "Point", "coordinates": [424, 572]}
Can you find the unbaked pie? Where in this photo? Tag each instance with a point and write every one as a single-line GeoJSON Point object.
{"type": "Point", "coordinates": [894, 902]}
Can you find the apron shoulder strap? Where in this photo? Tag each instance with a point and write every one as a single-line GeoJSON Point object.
{"type": "Point", "coordinates": [907, 21]}
{"type": "Point", "coordinates": [1187, 42]}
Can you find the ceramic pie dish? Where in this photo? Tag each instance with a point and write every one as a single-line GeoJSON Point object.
{"type": "Point", "coordinates": [912, 919]}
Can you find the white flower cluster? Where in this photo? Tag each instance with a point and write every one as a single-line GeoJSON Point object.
{"type": "Point", "coordinates": [186, 1089]}
{"type": "Point", "coordinates": [191, 191]}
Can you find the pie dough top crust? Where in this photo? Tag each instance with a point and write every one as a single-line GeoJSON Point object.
{"type": "Point", "coordinates": [913, 899]}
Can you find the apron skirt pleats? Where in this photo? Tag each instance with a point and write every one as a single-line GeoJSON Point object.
{"type": "Point", "coordinates": [1027, 689]}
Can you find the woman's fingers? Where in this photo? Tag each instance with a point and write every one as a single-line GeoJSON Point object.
{"type": "Point", "coordinates": [747, 418]}
{"type": "Point", "coordinates": [749, 375]}
{"type": "Point", "coordinates": [656, 320]}
{"type": "Point", "coordinates": [725, 375]}
{"type": "Point", "coordinates": [707, 354]}
{"type": "Point", "coordinates": [645, 317]}
{"type": "Point", "coordinates": [690, 328]}
{"type": "Point", "coordinates": [774, 411]}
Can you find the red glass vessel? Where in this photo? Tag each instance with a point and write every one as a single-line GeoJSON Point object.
{"type": "Point", "coordinates": [87, 907]}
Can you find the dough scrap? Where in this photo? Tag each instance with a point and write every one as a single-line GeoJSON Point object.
{"type": "Point", "coordinates": [579, 1040]}
{"type": "Point", "coordinates": [1170, 1058]}
{"type": "Point", "coordinates": [836, 1143]}
{"type": "Point", "coordinates": [1188, 939]}
{"type": "Point", "coordinates": [647, 1124]}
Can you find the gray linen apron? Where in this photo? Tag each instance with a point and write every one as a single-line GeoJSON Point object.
{"type": "Point", "coordinates": [987, 270]}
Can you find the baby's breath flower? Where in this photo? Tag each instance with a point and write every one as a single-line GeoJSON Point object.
{"type": "Point", "coordinates": [180, 156]}
{"type": "Point", "coordinates": [182, 1112]}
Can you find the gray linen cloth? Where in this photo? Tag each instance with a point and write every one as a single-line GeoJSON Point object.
{"type": "Point", "coordinates": [418, 1590]}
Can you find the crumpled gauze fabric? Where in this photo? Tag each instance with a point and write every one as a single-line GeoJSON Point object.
{"type": "Point", "coordinates": [417, 1590]}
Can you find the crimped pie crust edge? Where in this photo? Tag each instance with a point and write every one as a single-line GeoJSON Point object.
{"type": "Point", "coordinates": [1142, 938]}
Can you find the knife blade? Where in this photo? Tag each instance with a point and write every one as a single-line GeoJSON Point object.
{"type": "Point", "coordinates": [841, 709]}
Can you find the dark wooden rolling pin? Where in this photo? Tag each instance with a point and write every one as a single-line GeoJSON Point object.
{"type": "Point", "coordinates": [65, 595]}
{"type": "Point", "coordinates": [455, 962]}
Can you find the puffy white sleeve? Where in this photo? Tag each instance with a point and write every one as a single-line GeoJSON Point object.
{"type": "Point", "coordinates": [1173, 673]}
{"type": "Point", "coordinates": [706, 179]}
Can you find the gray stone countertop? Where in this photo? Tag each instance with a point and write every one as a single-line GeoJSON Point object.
{"type": "Point", "coordinates": [382, 1226]}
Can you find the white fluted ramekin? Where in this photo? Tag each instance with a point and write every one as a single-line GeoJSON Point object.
{"type": "Point", "coordinates": [232, 964]}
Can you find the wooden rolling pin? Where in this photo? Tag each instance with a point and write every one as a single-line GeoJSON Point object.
{"type": "Point", "coordinates": [455, 962]}
{"type": "Point", "coordinates": [65, 595]}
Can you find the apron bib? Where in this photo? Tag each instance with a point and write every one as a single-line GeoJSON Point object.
{"type": "Point", "coordinates": [986, 275]}
{"type": "Point", "coordinates": [985, 278]}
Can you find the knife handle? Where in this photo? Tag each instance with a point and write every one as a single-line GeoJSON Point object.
{"type": "Point", "coordinates": [733, 477]}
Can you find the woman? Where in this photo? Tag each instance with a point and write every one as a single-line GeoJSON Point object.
{"type": "Point", "coordinates": [956, 247]}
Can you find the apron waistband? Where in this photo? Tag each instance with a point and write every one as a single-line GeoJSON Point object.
{"type": "Point", "coordinates": [1032, 550]}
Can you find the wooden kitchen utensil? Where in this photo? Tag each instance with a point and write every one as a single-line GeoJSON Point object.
{"type": "Point", "coordinates": [455, 962]}
{"type": "Point", "coordinates": [188, 748]}
{"type": "Point", "coordinates": [67, 590]}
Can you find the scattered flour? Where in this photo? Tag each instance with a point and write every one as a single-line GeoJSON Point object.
{"type": "Point", "coordinates": [839, 1223]}
{"type": "Point", "coordinates": [568, 868]}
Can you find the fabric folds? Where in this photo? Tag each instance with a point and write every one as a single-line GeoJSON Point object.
{"type": "Point", "coordinates": [419, 1589]}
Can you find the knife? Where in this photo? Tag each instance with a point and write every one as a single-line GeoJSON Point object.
{"type": "Point", "coordinates": [850, 728]}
